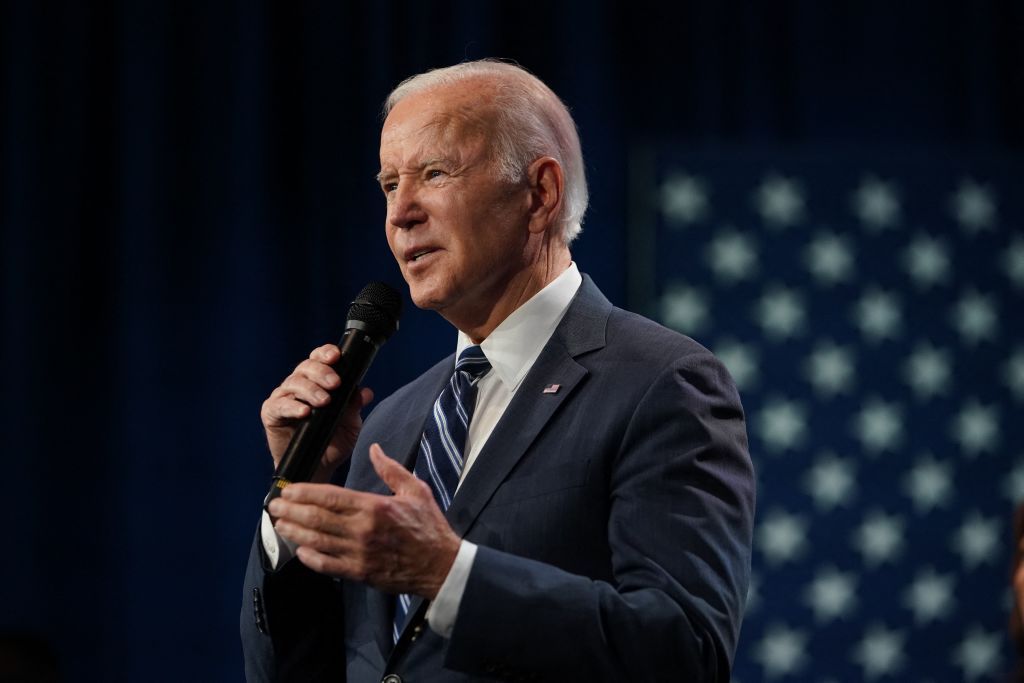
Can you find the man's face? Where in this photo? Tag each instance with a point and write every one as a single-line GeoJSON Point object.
{"type": "Point", "coordinates": [458, 231]}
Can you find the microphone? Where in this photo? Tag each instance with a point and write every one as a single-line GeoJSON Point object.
{"type": "Point", "coordinates": [372, 319]}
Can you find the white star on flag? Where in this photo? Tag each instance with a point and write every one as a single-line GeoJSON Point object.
{"type": "Point", "coordinates": [927, 261]}
{"type": "Point", "coordinates": [976, 428]}
{"type": "Point", "coordinates": [781, 537]}
{"type": "Point", "coordinates": [684, 199]}
{"type": "Point", "coordinates": [831, 481]}
{"type": "Point", "coordinates": [929, 483]}
{"type": "Point", "coordinates": [780, 201]}
{"type": "Point", "coordinates": [928, 371]}
{"type": "Point", "coordinates": [831, 594]}
{"type": "Point", "coordinates": [782, 424]}
{"type": "Point", "coordinates": [880, 652]}
{"type": "Point", "coordinates": [974, 206]}
{"type": "Point", "coordinates": [930, 596]}
{"type": "Point", "coordinates": [781, 313]}
{"type": "Point", "coordinates": [829, 258]}
{"type": "Point", "coordinates": [876, 204]}
{"type": "Point", "coordinates": [878, 315]}
{"type": "Point", "coordinates": [732, 256]}
{"type": "Point", "coordinates": [977, 540]}
{"type": "Point", "coordinates": [830, 369]}
{"type": "Point", "coordinates": [684, 309]}
{"type": "Point", "coordinates": [781, 651]}
{"type": "Point", "coordinates": [978, 653]}
{"type": "Point", "coordinates": [974, 316]}
{"type": "Point", "coordinates": [879, 426]}
{"type": "Point", "coordinates": [879, 538]}
{"type": "Point", "coordinates": [741, 360]}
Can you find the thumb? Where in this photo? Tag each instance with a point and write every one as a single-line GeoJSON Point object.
{"type": "Point", "coordinates": [398, 479]}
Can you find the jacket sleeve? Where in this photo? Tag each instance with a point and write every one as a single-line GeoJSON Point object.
{"type": "Point", "coordinates": [291, 623]}
{"type": "Point", "coordinates": [679, 528]}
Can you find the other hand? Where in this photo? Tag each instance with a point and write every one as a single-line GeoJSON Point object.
{"type": "Point", "coordinates": [399, 544]}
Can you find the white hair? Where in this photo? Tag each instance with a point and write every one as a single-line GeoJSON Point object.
{"type": "Point", "coordinates": [530, 122]}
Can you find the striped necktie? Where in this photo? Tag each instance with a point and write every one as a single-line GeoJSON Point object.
{"type": "Point", "coordinates": [440, 459]}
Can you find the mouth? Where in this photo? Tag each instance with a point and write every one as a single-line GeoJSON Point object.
{"type": "Point", "coordinates": [414, 255]}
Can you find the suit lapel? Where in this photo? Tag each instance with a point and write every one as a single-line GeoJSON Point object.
{"type": "Point", "coordinates": [581, 330]}
{"type": "Point", "coordinates": [525, 417]}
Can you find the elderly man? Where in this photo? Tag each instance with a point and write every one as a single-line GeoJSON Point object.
{"type": "Point", "coordinates": [568, 497]}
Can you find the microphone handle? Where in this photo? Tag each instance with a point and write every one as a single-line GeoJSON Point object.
{"type": "Point", "coordinates": [312, 435]}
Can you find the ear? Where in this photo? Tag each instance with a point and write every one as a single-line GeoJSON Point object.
{"type": "Point", "coordinates": [546, 193]}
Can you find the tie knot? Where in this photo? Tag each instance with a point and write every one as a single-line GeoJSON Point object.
{"type": "Point", "coordinates": [473, 362]}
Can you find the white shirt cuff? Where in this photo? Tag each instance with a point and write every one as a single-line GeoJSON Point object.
{"type": "Point", "coordinates": [442, 611]}
{"type": "Point", "coordinates": [278, 548]}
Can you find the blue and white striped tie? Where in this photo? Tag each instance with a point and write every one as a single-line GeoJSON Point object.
{"type": "Point", "coordinates": [440, 459]}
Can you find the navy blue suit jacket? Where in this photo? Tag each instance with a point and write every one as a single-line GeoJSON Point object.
{"type": "Point", "coordinates": [614, 520]}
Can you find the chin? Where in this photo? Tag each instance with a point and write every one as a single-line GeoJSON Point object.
{"type": "Point", "coordinates": [425, 298]}
{"type": "Point", "coordinates": [432, 291]}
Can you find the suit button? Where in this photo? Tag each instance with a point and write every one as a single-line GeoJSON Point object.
{"type": "Point", "coordinates": [391, 678]}
{"type": "Point", "coordinates": [257, 611]}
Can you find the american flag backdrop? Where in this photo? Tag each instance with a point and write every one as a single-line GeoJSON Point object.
{"type": "Point", "coordinates": [870, 306]}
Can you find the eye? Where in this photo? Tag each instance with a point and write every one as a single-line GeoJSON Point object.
{"type": "Point", "coordinates": [388, 188]}
{"type": "Point", "coordinates": [434, 173]}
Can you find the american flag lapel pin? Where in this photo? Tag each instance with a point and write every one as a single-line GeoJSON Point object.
{"type": "Point", "coordinates": [552, 389]}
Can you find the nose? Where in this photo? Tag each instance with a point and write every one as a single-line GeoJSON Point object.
{"type": "Point", "coordinates": [405, 210]}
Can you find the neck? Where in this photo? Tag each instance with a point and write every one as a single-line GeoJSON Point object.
{"type": "Point", "coordinates": [518, 290]}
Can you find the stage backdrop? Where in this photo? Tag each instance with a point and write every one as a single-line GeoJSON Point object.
{"type": "Point", "coordinates": [868, 303]}
{"type": "Point", "coordinates": [825, 194]}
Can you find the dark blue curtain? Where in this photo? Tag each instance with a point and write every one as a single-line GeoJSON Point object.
{"type": "Point", "coordinates": [187, 205]}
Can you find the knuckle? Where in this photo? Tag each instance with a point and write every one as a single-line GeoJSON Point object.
{"type": "Point", "coordinates": [381, 511]}
{"type": "Point", "coordinates": [316, 562]}
{"type": "Point", "coordinates": [317, 518]}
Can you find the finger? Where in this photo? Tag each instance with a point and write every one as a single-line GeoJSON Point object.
{"type": "Point", "coordinates": [283, 410]}
{"type": "Point", "coordinates": [306, 390]}
{"type": "Point", "coordinates": [328, 353]}
{"type": "Point", "coordinates": [365, 397]}
{"type": "Point", "coordinates": [312, 517]}
{"type": "Point", "coordinates": [330, 496]}
{"type": "Point", "coordinates": [400, 480]}
{"type": "Point", "coordinates": [317, 372]}
{"type": "Point", "coordinates": [331, 564]}
{"type": "Point", "coordinates": [313, 538]}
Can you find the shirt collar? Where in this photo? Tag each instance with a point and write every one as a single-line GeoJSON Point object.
{"type": "Point", "coordinates": [513, 346]}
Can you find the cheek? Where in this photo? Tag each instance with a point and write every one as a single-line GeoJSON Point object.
{"type": "Point", "coordinates": [390, 235]}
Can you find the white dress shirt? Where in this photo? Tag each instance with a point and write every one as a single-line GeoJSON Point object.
{"type": "Point", "coordinates": [512, 348]}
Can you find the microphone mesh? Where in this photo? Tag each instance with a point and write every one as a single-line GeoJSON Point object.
{"type": "Point", "coordinates": [379, 307]}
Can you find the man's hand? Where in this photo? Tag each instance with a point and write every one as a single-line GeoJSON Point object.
{"type": "Point", "coordinates": [399, 544]}
{"type": "Point", "coordinates": [308, 387]}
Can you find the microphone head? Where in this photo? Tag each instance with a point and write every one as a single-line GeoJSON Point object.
{"type": "Point", "coordinates": [376, 310]}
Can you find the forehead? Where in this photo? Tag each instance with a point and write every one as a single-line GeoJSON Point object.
{"type": "Point", "coordinates": [448, 120]}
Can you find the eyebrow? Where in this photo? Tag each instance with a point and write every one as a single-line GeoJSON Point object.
{"type": "Point", "coordinates": [382, 174]}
